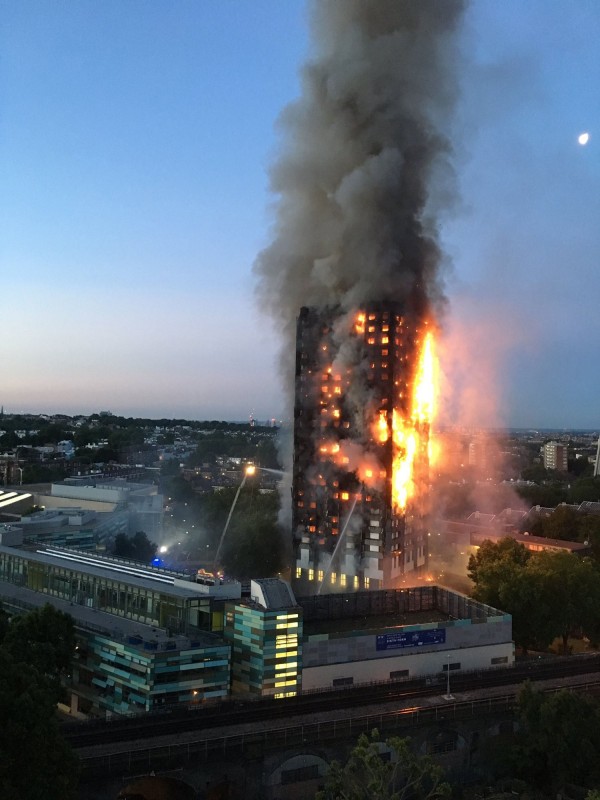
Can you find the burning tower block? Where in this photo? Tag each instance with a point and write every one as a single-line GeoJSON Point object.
{"type": "Point", "coordinates": [363, 408]}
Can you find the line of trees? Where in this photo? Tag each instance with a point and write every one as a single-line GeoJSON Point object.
{"type": "Point", "coordinates": [549, 594]}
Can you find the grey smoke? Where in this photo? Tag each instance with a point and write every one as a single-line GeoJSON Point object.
{"type": "Point", "coordinates": [365, 161]}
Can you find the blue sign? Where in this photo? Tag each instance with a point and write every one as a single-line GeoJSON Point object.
{"type": "Point", "coordinates": [393, 641]}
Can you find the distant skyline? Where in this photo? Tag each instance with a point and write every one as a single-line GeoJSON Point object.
{"type": "Point", "coordinates": [135, 140]}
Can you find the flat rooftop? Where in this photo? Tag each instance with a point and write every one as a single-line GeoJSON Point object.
{"type": "Point", "coordinates": [373, 622]}
{"type": "Point", "coordinates": [131, 572]}
{"type": "Point", "coordinates": [89, 619]}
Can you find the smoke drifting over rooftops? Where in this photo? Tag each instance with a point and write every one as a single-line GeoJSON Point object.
{"type": "Point", "coordinates": [365, 162]}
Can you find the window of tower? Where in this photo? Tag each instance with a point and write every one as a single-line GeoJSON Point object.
{"type": "Point", "coordinates": [320, 575]}
{"type": "Point", "coordinates": [384, 352]}
{"type": "Point", "coordinates": [342, 579]}
{"type": "Point", "coordinates": [385, 340]}
{"type": "Point", "coordinates": [370, 340]}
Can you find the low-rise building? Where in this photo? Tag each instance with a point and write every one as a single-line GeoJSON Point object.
{"type": "Point", "coordinates": [265, 634]}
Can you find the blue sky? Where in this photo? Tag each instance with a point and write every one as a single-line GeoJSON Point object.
{"type": "Point", "coordinates": [135, 139]}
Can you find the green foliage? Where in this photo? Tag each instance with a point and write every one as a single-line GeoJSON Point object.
{"type": "Point", "coordinates": [137, 548]}
{"type": "Point", "coordinates": [558, 740]}
{"type": "Point", "coordinates": [44, 639]}
{"type": "Point", "coordinates": [4, 623]}
{"type": "Point", "coordinates": [492, 565]}
{"type": "Point", "coordinates": [36, 650]}
{"type": "Point", "coordinates": [548, 594]}
{"type": "Point", "coordinates": [367, 776]}
{"type": "Point", "coordinates": [254, 544]}
{"type": "Point", "coordinates": [35, 762]}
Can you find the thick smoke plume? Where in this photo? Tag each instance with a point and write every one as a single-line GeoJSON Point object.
{"type": "Point", "coordinates": [365, 163]}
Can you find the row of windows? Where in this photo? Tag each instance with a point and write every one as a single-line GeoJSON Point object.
{"type": "Point", "coordinates": [344, 580]}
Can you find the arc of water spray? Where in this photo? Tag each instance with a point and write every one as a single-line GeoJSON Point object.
{"type": "Point", "coordinates": [249, 471]}
{"type": "Point", "coordinates": [337, 547]}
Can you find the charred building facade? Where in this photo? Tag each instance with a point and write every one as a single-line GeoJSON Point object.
{"type": "Point", "coordinates": [360, 470]}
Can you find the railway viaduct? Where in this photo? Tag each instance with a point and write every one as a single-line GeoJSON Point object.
{"type": "Point", "coordinates": [286, 759]}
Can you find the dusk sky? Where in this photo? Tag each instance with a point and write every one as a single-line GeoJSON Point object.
{"type": "Point", "coordinates": [135, 141]}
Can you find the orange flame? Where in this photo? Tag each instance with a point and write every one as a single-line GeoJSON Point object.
{"type": "Point", "coordinates": [381, 432]}
{"type": "Point", "coordinates": [411, 434]}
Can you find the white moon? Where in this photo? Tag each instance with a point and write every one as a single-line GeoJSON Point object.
{"type": "Point", "coordinates": [583, 138]}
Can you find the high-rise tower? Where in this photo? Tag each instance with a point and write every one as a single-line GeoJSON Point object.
{"type": "Point", "coordinates": [361, 437]}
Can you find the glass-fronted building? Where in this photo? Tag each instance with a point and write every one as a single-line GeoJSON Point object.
{"type": "Point", "coordinates": [137, 674]}
{"type": "Point", "coordinates": [265, 633]}
{"type": "Point", "coordinates": [149, 595]}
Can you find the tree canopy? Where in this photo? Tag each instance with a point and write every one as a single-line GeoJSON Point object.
{"type": "Point", "coordinates": [137, 547]}
{"type": "Point", "coordinates": [548, 594]}
{"type": "Point", "coordinates": [558, 741]}
{"type": "Point", "coordinates": [35, 761]}
{"type": "Point", "coordinates": [368, 775]}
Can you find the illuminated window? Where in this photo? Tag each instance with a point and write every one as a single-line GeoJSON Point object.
{"type": "Point", "coordinates": [320, 575]}
{"type": "Point", "coordinates": [298, 572]}
{"type": "Point", "coordinates": [384, 352]}
{"type": "Point", "coordinates": [313, 505]}
{"type": "Point", "coordinates": [312, 528]}
{"type": "Point", "coordinates": [372, 316]}
{"type": "Point", "coordinates": [337, 390]}
{"type": "Point", "coordinates": [300, 503]}
{"type": "Point", "coordinates": [342, 579]}
{"type": "Point", "coordinates": [345, 496]}
{"type": "Point", "coordinates": [311, 574]}
{"type": "Point", "coordinates": [367, 582]}
{"type": "Point", "coordinates": [385, 340]}
{"type": "Point", "coordinates": [333, 577]}
{"type": "Point", "coordinates": [385, 328]}
{"type": "Point", "coordinates": [371, 328]}
{"type": "Point", "coordinates": [356, 582]}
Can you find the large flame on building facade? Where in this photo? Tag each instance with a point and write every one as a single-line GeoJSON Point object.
{"type": "Point", "coordinates": [365, 400]}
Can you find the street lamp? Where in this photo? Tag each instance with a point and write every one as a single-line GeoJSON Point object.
{"type": "Point", "coordinates": [448, 696]}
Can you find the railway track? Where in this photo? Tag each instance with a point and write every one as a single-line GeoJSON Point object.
{"type": "Point", "coordinates": [177, 720]}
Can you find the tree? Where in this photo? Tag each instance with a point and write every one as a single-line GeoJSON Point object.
{"type": "Point", "coordinates": [35, 761]}
{"type": "Point", "coordinates": [494, 564]}
{"type": "Point", "coordinates": [568, 593]}
{"type": "Point", "coordinates": [368, 776]}
{"type": "Point", "coordinates": [558, 740]}
{"type": "Point", "coordinates": [138, 547]}
{"type": "Point", "coordinates": [44, 639]}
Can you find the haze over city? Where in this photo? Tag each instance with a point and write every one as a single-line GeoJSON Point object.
{"type": "Point", "coordinates": [136, 146]}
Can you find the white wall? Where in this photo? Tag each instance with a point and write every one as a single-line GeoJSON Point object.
{"type": "Point", "coordinates": [418, 665]}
